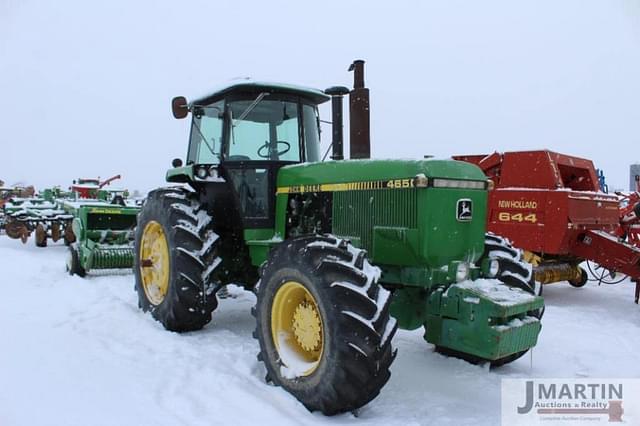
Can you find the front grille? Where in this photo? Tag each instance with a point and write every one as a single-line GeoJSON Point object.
{"type": "Point", "coordinates": [355, 213]}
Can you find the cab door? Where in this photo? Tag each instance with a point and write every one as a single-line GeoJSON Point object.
{"type": "Point", "coordinates": [262, 136]}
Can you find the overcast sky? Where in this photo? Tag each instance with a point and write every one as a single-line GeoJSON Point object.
{"type": "Point", "coordinates": [86, 86]}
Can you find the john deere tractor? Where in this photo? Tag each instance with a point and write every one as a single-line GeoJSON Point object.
{"type": "Point", "coordinates": [340, 253]}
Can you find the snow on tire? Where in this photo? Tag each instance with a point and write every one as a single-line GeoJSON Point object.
{"type": "Point", "coordinates": [513, 270]}
{"type": "Point", "coordinates": [184, 300]}
{"type": "Point", "coordinates": [337, 359]}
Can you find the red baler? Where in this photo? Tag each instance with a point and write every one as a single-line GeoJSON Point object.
{"type": "Point", "coordinates": [550, 205]}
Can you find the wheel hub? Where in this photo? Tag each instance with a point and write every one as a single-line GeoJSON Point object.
{"type": "Point", "coordinates": [154, 262]}
{"type": "Point", "coordinates": [296, 327]}
{"type": "Point", "coordinates": [306, 326]}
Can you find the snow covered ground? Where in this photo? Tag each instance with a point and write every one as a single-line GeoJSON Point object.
{"type": "Point", "coordinates": [79, 352]}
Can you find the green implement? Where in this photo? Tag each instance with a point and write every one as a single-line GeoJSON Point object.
{"type": "Point", "coordinates": [24, 216]}
{"type": "Point", "coordinates": [103, 235]}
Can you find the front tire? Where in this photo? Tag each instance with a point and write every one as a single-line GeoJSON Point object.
{"type": "Point", "coordinates": [175, 256]}
{"type": "Point", "coordinates": [513, 270]}
{"type": "Point", "coordinates": [323, 324]}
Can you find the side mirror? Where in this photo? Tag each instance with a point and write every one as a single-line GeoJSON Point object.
{"type": "Point", "coordinates": [176, 163]}
{"type": "Point", "coordinates": [179, 107]}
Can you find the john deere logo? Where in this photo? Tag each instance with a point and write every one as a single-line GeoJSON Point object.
{"type": "Point", "coordinates": [464, 210]}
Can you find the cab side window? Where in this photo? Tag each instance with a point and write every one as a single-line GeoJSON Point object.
{"type": "Point", "coordinates": [206, 134]}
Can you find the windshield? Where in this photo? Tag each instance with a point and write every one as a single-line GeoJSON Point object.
{"type": "Point", "coordinates": [206, 134]}
{"type": "Point", "coordinates": [267, 130]}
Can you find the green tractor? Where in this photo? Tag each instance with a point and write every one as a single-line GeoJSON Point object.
{"type": "Point", "coordinates": [102, 236]}
{"type": "Point", "coordinates": [339, 253]}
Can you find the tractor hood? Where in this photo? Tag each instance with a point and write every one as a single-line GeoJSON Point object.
{"type": "Point", "coordinates": [346, 171]}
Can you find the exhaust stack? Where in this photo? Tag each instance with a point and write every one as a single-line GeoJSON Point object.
{"type": "Point", "coordinates": [359, 115]}
{"type": "Point", "coordinates": [337, 93]}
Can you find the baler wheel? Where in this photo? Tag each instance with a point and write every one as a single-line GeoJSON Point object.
{"type": "Point", "coordinates": [584, 277]}
{"type": "Point", "coordinates": [41, 236]}
{"type": "Point", "coordinates": [176, 254]}
{"type": "Point", "coordinates": [73, 263]}
{"type": "Point", "coordinates": [323, 324]}
{"type": "Point", "coordinates": [602, 275]}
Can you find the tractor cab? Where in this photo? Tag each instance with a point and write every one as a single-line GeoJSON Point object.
{"type": "Point", "coordinates": [242, 135]}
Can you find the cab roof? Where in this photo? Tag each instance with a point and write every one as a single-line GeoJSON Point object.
{"type": "Point", "coordinates": [249, 86]}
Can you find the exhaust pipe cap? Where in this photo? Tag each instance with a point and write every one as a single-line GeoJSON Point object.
{"type": "Point", "coordinates": [337, 91]}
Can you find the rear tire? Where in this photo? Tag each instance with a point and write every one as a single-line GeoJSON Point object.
{"type": "Point", "coordinates": [185, 301]}
{"type": "Point", "coordinates": [350, 364]}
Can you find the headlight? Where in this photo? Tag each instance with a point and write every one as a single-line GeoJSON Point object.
{"type": "Point", "coordinates": [462, 271]}
{"type": "Point", "coordinates": [202, 172]}
{"type": "Point", "coordinates": [208, 173]}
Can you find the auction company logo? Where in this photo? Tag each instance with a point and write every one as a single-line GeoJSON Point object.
{"type": "Point", "coordinates": [569, 401]}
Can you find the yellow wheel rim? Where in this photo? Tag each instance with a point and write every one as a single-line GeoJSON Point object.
{"type": "Point", "coordinates": [296, 328]}
{"type": "Point", "coordinates": [154, 262]}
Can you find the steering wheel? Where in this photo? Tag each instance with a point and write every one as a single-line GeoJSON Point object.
{"type": "Point", "coordinates": [277, 153]}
